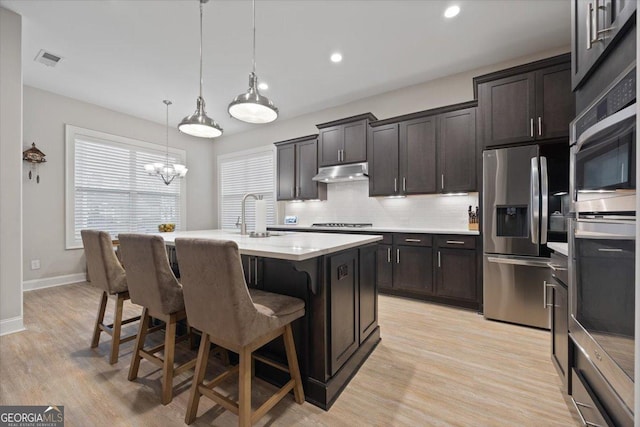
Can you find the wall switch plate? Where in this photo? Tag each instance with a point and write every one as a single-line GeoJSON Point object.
{"type": "Point", "coordinates": [35, 264]}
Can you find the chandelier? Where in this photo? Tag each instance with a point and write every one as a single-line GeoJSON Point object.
{"type": "Point", "coordinates": [165, 171]}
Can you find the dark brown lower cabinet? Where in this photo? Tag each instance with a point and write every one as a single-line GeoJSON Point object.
{"type": "Point", "coordinates": [384, 267]}
{"type": "Point", "coordinates": [413, 269]}
{"type": "Point", "coordinates": [456, 274]}
{"type": "Point", "coordinates": [345, 333]}
{"type": "Point", "coordinates": [559, 306]}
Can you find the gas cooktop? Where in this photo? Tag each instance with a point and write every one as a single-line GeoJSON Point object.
{"type": "Point", "coordinates": [342, 224]}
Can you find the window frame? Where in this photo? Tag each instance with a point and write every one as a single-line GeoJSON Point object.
{"type": "Point", "coordinates": [71, 134]}
{"type": "Point", "coordinates": [271, 149]}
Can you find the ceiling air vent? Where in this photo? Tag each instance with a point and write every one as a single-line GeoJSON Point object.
{"type": "Point", "coordinates": [48, 59]}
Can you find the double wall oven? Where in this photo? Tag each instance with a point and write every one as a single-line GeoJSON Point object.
{"type": "Point", "coordinates": [602, 242]}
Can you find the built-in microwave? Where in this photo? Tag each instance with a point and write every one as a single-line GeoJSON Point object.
{"type": "Point", "coordinates": [603, 154]}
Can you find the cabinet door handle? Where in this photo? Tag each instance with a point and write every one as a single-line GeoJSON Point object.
{"type": "Point", "coordinates": [455, 242]}
{"type": "Point", "coordinates": [255, 271]}
{"type": "Point", "coordinates": [404, 182]}
{"type": "Point", "coordinates": [413, 240]}
{"type": "Point", "coordinates": [388, 254]}
{"type": "Point", "coordinates": [439, 263]}
{"type": "Point", "coordinates": [442, 181]}
{"type": "Point", "coordinates": [531, 127]}
{"type": "Point", "coordinates": [395, 185]}
{"type": "Point", "coordinates": [539, 126]}
{"type": "Point", "coordinates": [292, 193]}
{"type": "Point", "coordinates": [397, 256]}
{"type": "Point", "coordinates": [342, 155]}
{"type": "Point", "coordinates": [338, 155]}
{"type": "Point", "coordinates": [545, 303]}
{"type": "Point", "coordinates": [249, 271]}
{"type": "Point", "coordinates": [589, 24]}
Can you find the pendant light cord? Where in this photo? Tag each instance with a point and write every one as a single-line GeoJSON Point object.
{"type": "Point", "coordinates": [167, 131]}
{"type": "Point", "coordinates": [254, 36]}
{"type": "Point", "coordinates": [201, 81]}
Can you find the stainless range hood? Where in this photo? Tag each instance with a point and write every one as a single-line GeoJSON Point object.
{"type": "Point", "coordinates": [343, 173]}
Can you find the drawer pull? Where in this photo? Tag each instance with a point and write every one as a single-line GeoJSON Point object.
{"type": "Point", "coordinates": [455, 242]}
{"type": "Point", "coordinates": [413, 240]}
{"type": "Point", "coordinates": [579, 405]}
{"type": "Point", "coordinates": [609, 250]}
{"type": "Point", "coordinates": [388, 254]}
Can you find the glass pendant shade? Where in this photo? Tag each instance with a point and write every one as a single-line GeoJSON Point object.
{"type": "Point", "coordinates": [199, 124]}
{"type": "Point", "coordinates": [251, 107]}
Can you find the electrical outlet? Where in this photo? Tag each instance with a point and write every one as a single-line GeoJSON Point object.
{"type": "Point", "coordinates": [35, 264]}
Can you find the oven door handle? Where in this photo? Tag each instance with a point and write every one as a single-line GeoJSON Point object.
{"type": "Point", "coordinates": [519, 261]}
{"type": "Point", "coordinates": [620, 121]}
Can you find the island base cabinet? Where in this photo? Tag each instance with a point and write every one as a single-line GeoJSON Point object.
{"type": "Point", "coordinates": [343, 276]}
{"type": "Point", "coordinates": [340, 326]}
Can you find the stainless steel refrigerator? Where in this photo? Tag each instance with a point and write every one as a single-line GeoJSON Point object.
{"type": "Point", "coordinates": [515, 228]}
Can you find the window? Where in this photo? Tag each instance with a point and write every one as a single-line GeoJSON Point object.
{"type": "Point", "coordinates": [251, 171]}
{"type": "Point", "coordinates": [108, 189]}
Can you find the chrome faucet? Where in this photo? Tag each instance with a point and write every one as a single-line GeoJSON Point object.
{"type": "Point", "coordinates": [243, 224]}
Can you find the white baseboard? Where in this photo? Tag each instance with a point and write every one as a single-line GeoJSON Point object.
{"type": "Point", "coordinates": [9, 326]}
{"type": "Point", "coordinates": [48, 282]}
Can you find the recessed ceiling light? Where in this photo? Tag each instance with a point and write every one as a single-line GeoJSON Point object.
{"type": "Point", "coordinates": [263, 86]}
{"type": "Point", "coordinates": [451, 11]}
{"type": "Point", "coordinates": [336, 57]}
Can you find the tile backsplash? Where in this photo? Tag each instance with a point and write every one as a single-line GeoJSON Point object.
{"type": "Point", "coordinates": [350, 202]}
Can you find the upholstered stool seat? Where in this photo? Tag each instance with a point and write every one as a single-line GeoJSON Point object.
{"type": "Point", "coordinates": [239, 319]}
{"type": "Point", "coordinates": [106, 272]}
{"type": "Point", "coordinates": [153, 285]}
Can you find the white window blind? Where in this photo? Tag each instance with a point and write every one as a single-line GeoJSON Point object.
{"type": "Point", "coordinates": [241, 173]}
{"type": "Point", "coordinates": [108, 188]}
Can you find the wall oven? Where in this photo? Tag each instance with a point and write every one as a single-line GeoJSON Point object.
{"type": "Point", "coordinates": [602, 235]}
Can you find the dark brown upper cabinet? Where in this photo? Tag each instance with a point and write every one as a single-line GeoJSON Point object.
{"type": "Point", "coordinates": [297, 165]}
{"type": "Point", "coordinates": [422, 153]}
{"type": "Point", "coordinates": [383, 160]}
{"type": "Point", "coordinates": [343, 141]}
{"type": "Point", "coordinates": [418, 155]}
{"type": "Point", "coordinates": [596, 27]}
{"type": "Point", "coordinates": [457, 151]}
{"type": "Point", "coordinates": [528, 103]}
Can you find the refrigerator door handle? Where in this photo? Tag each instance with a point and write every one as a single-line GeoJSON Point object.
{"type": "Point", "coordinates": [544, 196]}
{"type": "Point", "coordinates": [534, 201]}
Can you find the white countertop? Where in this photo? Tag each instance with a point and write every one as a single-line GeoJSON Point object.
{"type": "Point", "coordinates": [561, 248]}
{"type": "Point", "coordinates": [379, 229]}
{"type": "Point", "coordinates": [287, 245]}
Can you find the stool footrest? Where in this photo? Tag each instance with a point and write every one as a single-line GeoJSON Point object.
{"type": "Point", "coordinates": [269, 362]}
{"type": "Point", "coordinates": [272, 401]}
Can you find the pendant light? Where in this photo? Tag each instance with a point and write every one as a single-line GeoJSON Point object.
{"type": "Point", "coordinates": [163, 170]}
{"type": "Point", "coordinates": [198, 123]}
{"type": "Point", "coordinates": [251, 107]}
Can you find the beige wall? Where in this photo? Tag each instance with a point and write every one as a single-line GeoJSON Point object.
{"type": "Point", "coordinates": [435, 93]}
{"type": "Point", "coordinates": [10, 167]}
{"type": "Point", "coordinates": [45, 115]}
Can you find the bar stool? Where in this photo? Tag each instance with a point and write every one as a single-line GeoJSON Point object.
{"type": "Point", "coordinates": [107, 273]}
{"type": "Point", "coordinates": [219, 304]}
{"type": "Point", "coordinates": [153, 285]}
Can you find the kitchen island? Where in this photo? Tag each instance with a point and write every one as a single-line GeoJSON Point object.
{"type": "Point", "coordinates": [335, 275]}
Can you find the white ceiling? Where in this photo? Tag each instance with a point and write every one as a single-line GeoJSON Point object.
{"type": "Point", "coordinates": [130, 55]}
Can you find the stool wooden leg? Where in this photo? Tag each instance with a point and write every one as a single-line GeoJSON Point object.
{"type": "Point", "coordinates": [117, 326]}
{"type": "Point", "coordinates": [244, 392]}
{"type": "Point", "coordinates": [198, 378]}
{"type": "Point", "coordinates": [96, 331]}
{"type": "Point", "coordinates": [142, 334]}
{"type": "Point", "coordinates": [169, 351]}
{"type": "Point", "coordinates": [294, 369]}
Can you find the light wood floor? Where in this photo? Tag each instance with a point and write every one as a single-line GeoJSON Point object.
{"type": "Point", "coordinates": [435, 366]}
